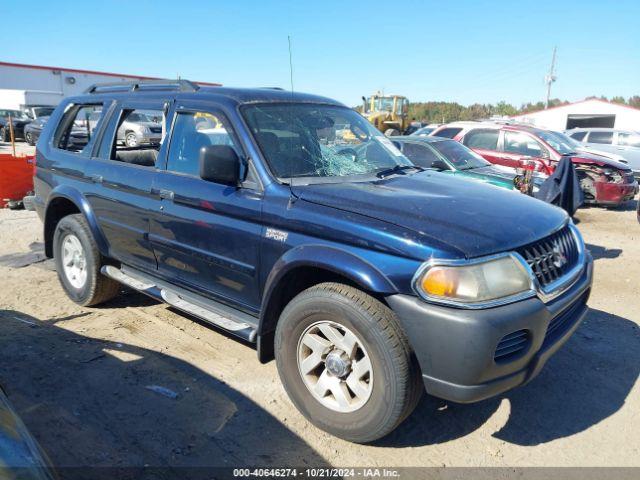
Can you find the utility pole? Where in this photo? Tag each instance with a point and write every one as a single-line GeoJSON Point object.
{"type": "Point", "coordinates": [551, 77]}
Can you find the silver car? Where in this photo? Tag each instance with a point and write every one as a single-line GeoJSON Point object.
{"type": "Point", "coordinates": [621, 142]}
{"type": "Point", "coordinates": [139, 128]}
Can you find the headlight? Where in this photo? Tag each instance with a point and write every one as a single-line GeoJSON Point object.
{"type": "Point", "coordinates": [494, 280]}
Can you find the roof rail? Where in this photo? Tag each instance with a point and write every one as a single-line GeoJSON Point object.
{"type": "Point", "coordinates": [178, 85]}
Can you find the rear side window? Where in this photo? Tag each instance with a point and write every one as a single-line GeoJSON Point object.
{"type": "Point", "coordinates": [421, 155]}
{"type": "Point", "coordinates": [600, 137]}
{"type": "Point", "coordinates": [138, 137]}
{"type": "Point", "coordinates": [191, 132]}
{"type": "Point", "coordinates": [77, 127]}
{"type": "Point", "coordinates": [482, 139]}
{"type": "Point", "coordinates": [579, 136]}
{"type": "Point", "coordinates": [449, 132]}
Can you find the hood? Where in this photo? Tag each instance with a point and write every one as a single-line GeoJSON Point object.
{"type": "Point", "coordinates": [601, 161]}
{"type": "Point", "coordinates": [470, 217]}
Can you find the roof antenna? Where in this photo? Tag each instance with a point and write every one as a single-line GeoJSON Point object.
{"type": "Point", "coordinates": [291, 119]}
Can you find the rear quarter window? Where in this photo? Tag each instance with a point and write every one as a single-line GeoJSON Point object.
{"type": "Point", "coordinates": [579, 136]}
{"type": "Point", "coordinates": [77, 127]}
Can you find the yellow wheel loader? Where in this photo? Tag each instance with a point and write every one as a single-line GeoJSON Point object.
{"type": "Point", "coordinates": [388, 113]}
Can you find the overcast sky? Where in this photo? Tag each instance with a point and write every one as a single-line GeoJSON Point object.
{"type": "Point", "coordinates": [464, 51]}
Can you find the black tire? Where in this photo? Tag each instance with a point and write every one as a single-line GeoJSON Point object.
{"type": "Point", "coordinates": [29, 139]}
{"type": "Point", "coordinates": [397, 384]}
{"type": "Point", "coordinates": [4, 134]}
{"type": "Point", "coordinates": [97, 288]}
{"type": "Point", "coordinates": [391, 132]}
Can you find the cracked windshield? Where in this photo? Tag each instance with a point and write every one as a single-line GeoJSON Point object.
{"type": "Point", "coordinates": [308, 140]}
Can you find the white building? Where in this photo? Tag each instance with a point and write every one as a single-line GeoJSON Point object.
{"type": "Point", "coordinates": [58, 81]}
{"type": "Point", "coordinates": [586, 113]}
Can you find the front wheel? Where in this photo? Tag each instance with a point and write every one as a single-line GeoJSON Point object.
{"type": "Point", "coordinates": [29, 138]}
{"type": "Point", "coordinates": [391, 132]}
{"type": "Point", "coordinates": [346, 363]}
{"type": "Point", "coordinates": [4, 134]}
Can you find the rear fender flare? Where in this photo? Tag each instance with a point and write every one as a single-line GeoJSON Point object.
{"type": "Point", "coordinates": [75, 197]}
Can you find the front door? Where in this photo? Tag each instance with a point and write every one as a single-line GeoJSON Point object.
{"type": "Point", "coordinates": [207, 236]}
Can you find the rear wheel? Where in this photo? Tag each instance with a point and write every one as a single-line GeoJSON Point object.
{"type": "Point", "coordinates": [78, 263]}
{"type": "Point", "coordinates": [345, 362]}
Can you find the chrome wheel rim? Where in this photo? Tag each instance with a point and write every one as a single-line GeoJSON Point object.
{"type": "Point", "coordinates": [74, 261]}
{"type": "Point", "coordinates": [335, 367]}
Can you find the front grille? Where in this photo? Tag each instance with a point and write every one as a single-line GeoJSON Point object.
{"type": "Point", "coordinates": [552, 257]}
{"type": "Point", "coordinates": [512, 345]}
{"type": "Point", "coordinates": [155, 129]}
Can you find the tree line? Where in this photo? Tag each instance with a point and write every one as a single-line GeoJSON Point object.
{"type": "Point", "coordinates": [443, 112]}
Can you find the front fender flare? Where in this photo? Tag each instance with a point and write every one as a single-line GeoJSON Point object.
{"type": "Point", "coordinates": [356, 269]}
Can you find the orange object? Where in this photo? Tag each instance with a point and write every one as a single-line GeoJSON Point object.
{"type": "Point", "coordinates": [440, 282]}
{"type": "Point", "coordinates": [16, 177]}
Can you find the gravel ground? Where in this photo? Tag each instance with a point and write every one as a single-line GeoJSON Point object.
{"type": "Point", "coordinates": [85, 380]}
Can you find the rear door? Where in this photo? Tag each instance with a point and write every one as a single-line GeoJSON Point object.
{"type": "Point", "coordinates": [122, 178]}
{"type": "Point", "coordinates": [208, 235]}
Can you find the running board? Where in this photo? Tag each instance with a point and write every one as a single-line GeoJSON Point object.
{"type": "Point", "coordinates": [215, 313]}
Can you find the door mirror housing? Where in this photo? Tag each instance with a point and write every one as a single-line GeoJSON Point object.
{"type": "Point", "coordinates": [439, 165]}
{"type": "Point", "coordinates": [220, 164]}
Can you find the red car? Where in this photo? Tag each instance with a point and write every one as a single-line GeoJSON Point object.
{"type": "Point", "coordinates": [603, 181]}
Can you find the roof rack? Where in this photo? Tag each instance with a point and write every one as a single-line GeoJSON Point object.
{"type": "Point", "coordinates": [141, 85]}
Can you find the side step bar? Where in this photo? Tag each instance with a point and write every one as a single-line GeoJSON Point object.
{"type": "Point", "coordinates": [238, 323]}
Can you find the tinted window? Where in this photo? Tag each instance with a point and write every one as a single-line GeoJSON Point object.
{"type": "Point", "coordinates": [191, 132]}
{"type": "Point", "coordinates": [629, 139]}
{"type": "Point", "coordinates": [600, 137]}
{"type": "Point", "coordinates": [522, 144]}
{"type": "Point", "coordinates": [579, 136]}
{"type": "Point", "coordinates": [421, 155]}
{"type": "Point", "coordinates": [76, 128]}
{"type": "Point", "coordinates": [448, 132]}
{"type": "Point", "coordinates": [461, 157]}
{"type": "Point", "coordinates": [483, 139]}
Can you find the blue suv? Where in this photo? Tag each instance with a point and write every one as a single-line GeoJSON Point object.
{"type": "Point", "coordinates": [289, 221]}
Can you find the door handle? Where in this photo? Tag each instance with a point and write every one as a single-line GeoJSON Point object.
{"type": "Point", "coordinates": [166, 194]}
{"type": "Point", "coordinates": [96, 178]}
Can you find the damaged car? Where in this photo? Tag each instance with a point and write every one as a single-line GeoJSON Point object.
{"type": "Point", "coordinates": [603, 181]}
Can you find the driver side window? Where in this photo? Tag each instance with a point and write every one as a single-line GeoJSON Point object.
{"type": "Point", "coordinates": [191, 132]}
{"type": "Point", "coordinates": [522, 144]}
{"type": "Point", "coordinates": [421, 155]}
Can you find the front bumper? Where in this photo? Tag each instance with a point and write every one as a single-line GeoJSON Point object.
{"type": "Point", "coordinates": [149, 139]}
{"type": "Point", "coordinates": [615, 193]}
{"type": "Point", "coordinates": [455, 348]}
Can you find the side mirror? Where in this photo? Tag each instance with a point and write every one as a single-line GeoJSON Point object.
{"type": "Point", "coordinates": [439, 165]}
{"type": "Point", "coordinates": [219, 164]}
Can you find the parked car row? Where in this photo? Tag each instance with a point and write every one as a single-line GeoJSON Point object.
{"type": "Point", "coordinates": [603, 180]}
{"type": "Point", "coordinates": [624, 144]}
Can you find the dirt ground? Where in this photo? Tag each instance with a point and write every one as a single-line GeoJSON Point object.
{"type": "Point", "coordinates": [85, 380]}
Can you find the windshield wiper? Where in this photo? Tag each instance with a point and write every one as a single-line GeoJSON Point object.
{"type": "Point", "coordinates": [397, 169]}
